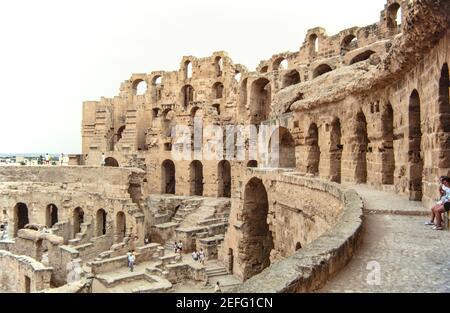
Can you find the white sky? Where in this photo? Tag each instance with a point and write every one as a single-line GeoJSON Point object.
{"type": "Point", "coordinates": [56, 54]}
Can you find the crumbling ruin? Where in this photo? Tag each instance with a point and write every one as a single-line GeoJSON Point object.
{"type": "Point", "coordinates": [368, 105]}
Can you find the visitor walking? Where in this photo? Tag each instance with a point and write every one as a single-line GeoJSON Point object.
{"type": "Point", "coordinates": [180, 247]}
{"type": "Point", "coordinates": [131, 261]}
{"type": "Point", "coordinates": [217, 288]}
{"type": "Point", "coordinates": [201, 256]}
{"type": "Point", "coordinates": [47, 159]}
{"type": "Point", "coordinates": [195, 256]}
{"type": "Point", "coordinates": [103, 159]}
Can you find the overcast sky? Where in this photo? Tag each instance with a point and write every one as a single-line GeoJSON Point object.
{"type": "Point", "coordinates": [56, 54]}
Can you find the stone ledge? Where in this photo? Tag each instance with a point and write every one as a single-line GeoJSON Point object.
{"type": "Point", "coordinates": [310, 268]}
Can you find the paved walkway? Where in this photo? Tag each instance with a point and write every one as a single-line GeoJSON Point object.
{"type": "Point", "coordinates": [410, 256]}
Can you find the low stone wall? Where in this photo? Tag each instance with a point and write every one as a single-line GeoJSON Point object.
{"type": "Point", "coordinates": [311, 267]}
{"type": "Point", "coordinates": [22, 274]}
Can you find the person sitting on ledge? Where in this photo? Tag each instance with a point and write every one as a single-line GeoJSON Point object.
{"type": "Point", "coordinates": [440, 206]}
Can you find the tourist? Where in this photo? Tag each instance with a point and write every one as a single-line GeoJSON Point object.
{"type": "Point", "coordinates": [47, 159]}
{"type": "Point", "coordinates": [195, 256]}
{"type": "Point", "coordinates": [131, 261]}
{"type": "Point", "coordinates": [103, 159]}
{"type": "Point", "coordinates": [175, 247]}
{"type": "Point", "coordinates": [146, 241]}
{"type": "Point", "coordinates": [201, 256]}
{"type": "Point", "coordinates": [61, 159]}
{"type": "Point", "coordinates": [217, 288]}
{"type": "Point", "coordinates": [439, 208]}
{"type": "Point", "coordinates": [180, 247]}
{"type": "Point", "coordinates": [128, 258]}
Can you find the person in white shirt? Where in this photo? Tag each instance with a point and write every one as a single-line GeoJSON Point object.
{"type": "Point", "coordinates": [47, 159]}
{"type": "Point", "coordinates": [103, 159]}
{"type": "Point", "coordinates": [217, 288]}
{"type": "Point", "coordinates": [438, 209]}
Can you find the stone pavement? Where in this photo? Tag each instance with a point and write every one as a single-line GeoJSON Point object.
{"type": "Point", "coordinates": [410, 256]}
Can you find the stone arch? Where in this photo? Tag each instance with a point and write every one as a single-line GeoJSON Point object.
{"type": "Point", "coordinates": [21, 218]}
{"type": "Point", "coordinates": [260, 97]}
{"type": "Point", "coordinates": [321, 69]}
{"type": "Point", "coordinates": [361, 57]}
{"type": "Point", "coordinates": [218, 65]}
{"type": "Point", "coordinates": [264, 69]}
{"type": "Point", "coordinates": [51, 215]}
{"type": "Point", "coordinates": [168, 177]}
{"type": "Point", "coordinates": [387, 150]}
{"type": "Point", "coordinates": [362, 144]}
{"type": "Point", "coordinates": [121, 226]}
{"type": "Point", "coordinates": [252, 163]}
{"type": "Point", "coordinates": [78, 219]}
{"type": "Point", "coordinates": [224, 179]}
{"type": "Point", "coordinates": [188, 69]}
{"type": "Point", "coordinates": [100, 224]}
{"type": "Point", "coordinates": [257, 240]}
{"type": "Point", "coordinates": [349, 43]}
{"type": "Point", "coordinates": [313, 150]}
{"type": "Point", "coordinates": [243, 96]}
{"type": "Point", "coordinates": [139, 87]}
{"type": "Point", "coordinates": [291, 78]}
{"type": "Point", "coordinates": [187, 95]}
{"type": "Point", "coordinates": [217, 90]}
{"type": "Point", "coordinates": [444, 114]}
{"type": "Point", "coordinates": [335, 151]}
{"type": "Point", "coordinates": [282, 149]}
{"type": "Point", "coordinates": [415, 161]}
{"type": "Point", "coordinates": [280, 64]}
{"type": "Point", "coordinates": [394, 16]}
{"type": "Point", "coordinates": [196, 178]}
{"type": "Point", "coordinates": [167, 122]}
{"type": "Point", "coordinates": [298, 246]}
{"type": "Point", "coordinates": [313, 42]}
{"type": "Point", "coordinates": [111, 162]}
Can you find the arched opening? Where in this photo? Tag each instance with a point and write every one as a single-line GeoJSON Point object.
{"type": "Point", "coordinates": [111, 162]}
{"type": "Point", "coordinates": [362, 144]}
{"type": "Point", "coordinates": [291, 78]}
{"type": "Point", "coordinates": [187, 95]}
{"type": "Point", "coordinates": [20, 217]}
{"type": "Point", "coordinates": [313, 149]}
{"type": "Point", "coordinates": [335, 151]}
{"type": "Point", "coordinates": [282, 149]}
{"type": "Point", "coordinates": [243, 96]}
{"type": "Point", "coordinates": [444, 114]}
{"type": "Point", "coordinates": [218, 66]}
{"type": "Point", "coordinates": [196, 178]}
{"type": "Point", "coordinates": [51, 215]}
{"type": "Point", "coordinates": [362, 56]}
{"type": "Point", "coordinates": [224, 179]}
{"type": "Point", "coordinates": [321, 69]}
{"type": "Point", "coordinates": [387, 151]}
{"type": "Point", "coordinates": [157, 87]}
{"type": "Point", "coordinates": [313, 44]}
{"type": "Point", "coordinates": [237, 76]}
{"type": "Point", "coordinates": [188, 69]}
{"type": "Point", "coordinates": [155, 113]}
{"type": "Point", "coordinates": [101, 222]}
{"type": "Point", "coordinates": [264, 69]}
{"type": "Point", "coordinates": [415, 160]}
{"type": "Point", "coordinates": [168, 177]}
{"type": "Point", "coordinates": [157, 80]}
{"type": "Point", "coordinates": [78, 219]}
{"type": "Point", "coordinates": [121, 226]}
{"type": "Point", "coordinates": [260, 100]}
{"type": "Point", "coordinates": [139, 87]}
{"type": "Point", "coordinates": [252, 163]}
{"type": "Point", "coordinates": [167, 122]}
{"type": "Point", "coordinates": [298, 246]}
{"type": "Point", "coordinates": [217, 90]}
{"type": "Point", "coordinates": [280, 64]}
{"type": "Point", "coordinates": [349, 43]}
{"type": "Point", "coordinates": [120, 133]}
{"type": "Point", "coordinates": [394, 16]}
{"type": "Point", "coordinates": [257, 241]}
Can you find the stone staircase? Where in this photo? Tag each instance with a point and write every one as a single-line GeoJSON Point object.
{"type": "Point", "coordinates": [215, 271]}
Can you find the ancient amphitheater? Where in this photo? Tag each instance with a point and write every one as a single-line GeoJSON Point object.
{"type": "Point", "coordinates": [362, 125]}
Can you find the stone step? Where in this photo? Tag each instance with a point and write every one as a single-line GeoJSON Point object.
{"type": "Point", "coordinates": [213, 272]}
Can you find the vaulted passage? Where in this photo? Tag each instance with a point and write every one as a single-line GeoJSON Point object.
{"type": "Point", "coordinates": [444, 111]}
{"type": "Point", "coordinates": [257, 241]}
{"type": "Point", "coordinates": [415, 160]}
{"type": "Point", "coordinates": [196, 178]}
{"type": "Point", "coordinates": [291, 78]}
{"type": "Point", "coordinates": [361, 146]}
{"type": "Point", "coordinates": [168, 177]}
{"type": "Point", "coordinates": [111, 162]}
{"type": "Point", "coordinates": [362, 56]}
{"type": "Point", "coordinates": [20, 217]}
{"type": "Point", "coordinates": [260, 100]}
{"type": "Point", "coordinates": [101, 222]}
{"type": "Point", "coordinates": [224, 179]}
{"type": "Point", "coordinates": [78, 219]}
{"type": "Point", "coordinates": [121, 226]}
{"type": "Point", "coordinates": [335, 151]}
{"type": "Point", "coordinates": [282, 149]}
{"type": "Point", "coordinates": [187, 95]}
{"type": "Point", "coordinates": [51, 215]}
{"type": "Point", "coordinates": [387, 150]}
{"type": "Point", "coordinates": [321, 69]}
{"type": "Point", "coordinates": [313, 150]}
